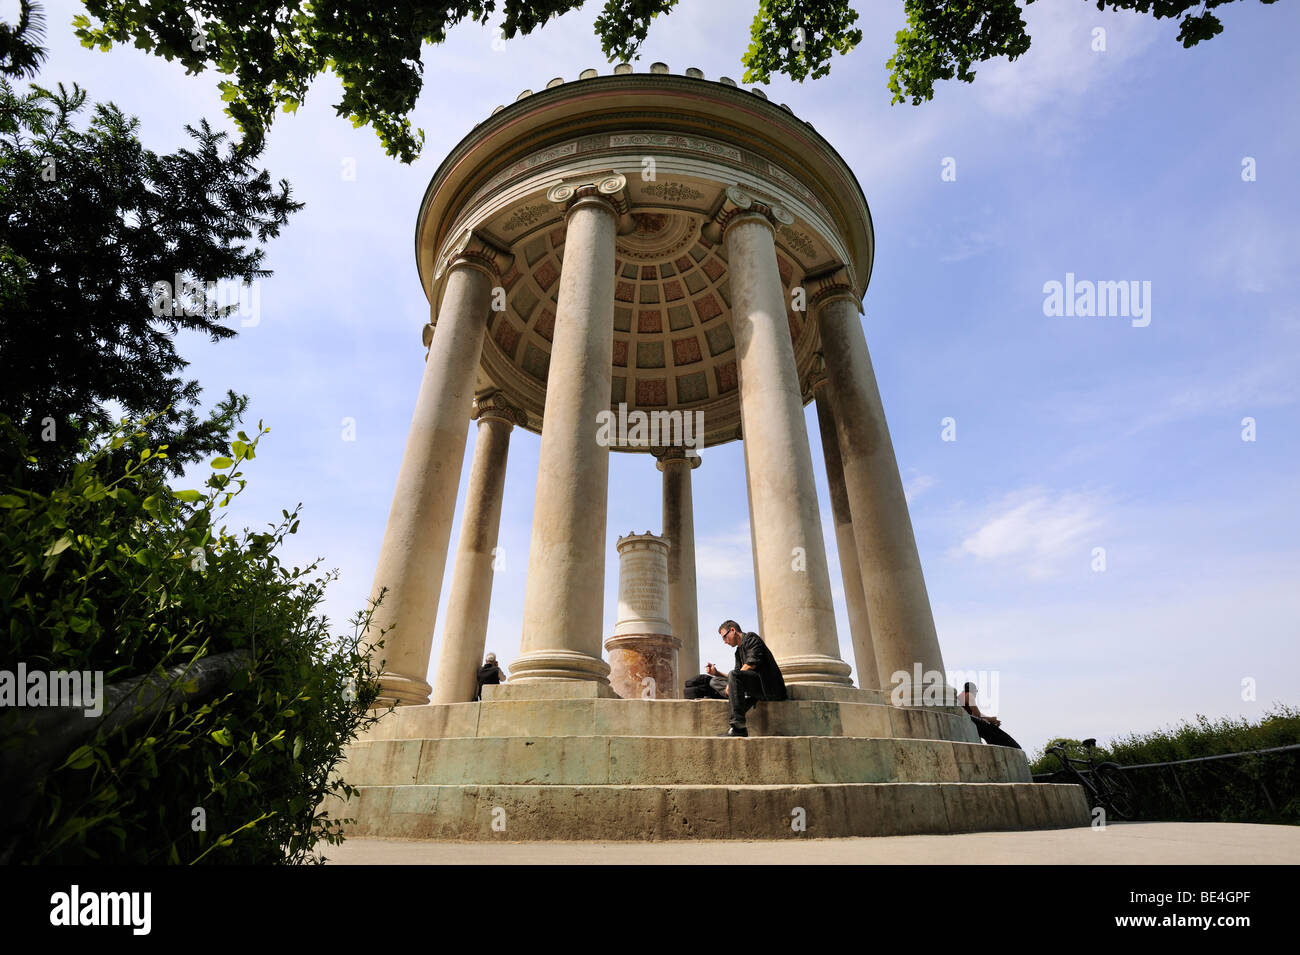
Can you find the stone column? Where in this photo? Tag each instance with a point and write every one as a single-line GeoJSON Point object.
{"type": "Point", "coordinates": [679, 529]}
{"type": "Point", "coordinates": [786, 526]}
{"type": "Point", "coordinates": [643, 650]}
{"type": "Point", "coordinates": [864, 655]}
{"type": "Point", "coordinates": [902, 625]}
{"type": "Point", "coordinates": [753, 551]}
{"type": "Point", "coordinates": [464, 631]}
{"type": "Point", "coordinates": [564, 593]}
{"type": "Point", "coordinates": [413, 555]}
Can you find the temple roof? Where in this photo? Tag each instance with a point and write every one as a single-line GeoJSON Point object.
{"type": "Point", "coordinates": [680, 142]}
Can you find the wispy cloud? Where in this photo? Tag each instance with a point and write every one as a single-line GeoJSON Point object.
{"type": "Point", "coordinates": [1061, 63]}
{"type": "Point", "coordinates": [917, 485]}
{"type": "Point", "coordinates": [1255, 250]}
{"type": "Point", "coordinates": [725, 556]}
{"type": "Point", "coordinates": [1035, 529]}
{"type": "Point", "coordinates": [1269, 384]}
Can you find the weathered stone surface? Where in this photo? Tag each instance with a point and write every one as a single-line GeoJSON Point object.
{"type": "Point", "coordinates": [425, 722]}
{"type": "Point", "coordinates": [705, 812]}
{"type": "Point", "coordinates": [551, 690]}
{"type": "Point", "coordinates": [589, 767]}
{"type": "Point", "coordinates": [509, 711]}
{"type": "Point", "coordinates": [667, 760]}
{"type": "Point", "coordinates": [643, 666]}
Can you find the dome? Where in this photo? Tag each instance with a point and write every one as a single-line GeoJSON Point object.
{"type": "Point", "coordinates": [679, 142]}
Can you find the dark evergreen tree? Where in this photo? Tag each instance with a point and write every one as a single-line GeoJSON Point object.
{"type": "Point", "coordinates": [107, 251]}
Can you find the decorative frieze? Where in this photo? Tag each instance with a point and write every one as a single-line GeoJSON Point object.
{"type": "Point", "coordinates": [798, 241]}
{"type": "Point", "coordinates": [528, 215]}
{"type": "Point", "coordinates": [671, 191]}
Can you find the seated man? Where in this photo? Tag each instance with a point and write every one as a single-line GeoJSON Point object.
{"type": "Point", "coordinates": [755, 676]}
{"type": "Point", "coordinates": [986, 726]}
{"type": "Point", "coordinates": [489, 674]}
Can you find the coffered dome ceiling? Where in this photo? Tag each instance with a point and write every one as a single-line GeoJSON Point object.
{"type": "Point", "coordinates": [673, 347]}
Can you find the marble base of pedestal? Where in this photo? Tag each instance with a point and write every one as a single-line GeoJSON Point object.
{"type": "Point", "coordinates": [643, 665]}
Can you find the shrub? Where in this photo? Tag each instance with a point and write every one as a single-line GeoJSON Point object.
{"type": "Point", "coordinates": [1254, 788]}
{"type": "Point", "coordinates": [231, 701]}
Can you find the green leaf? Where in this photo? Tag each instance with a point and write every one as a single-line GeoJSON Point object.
{"type": "Point", "coordinates": [11, 500]}
{"type": "Point", "coordinates": [221, 463]}
{"type": "Point", "coordinates": [222, 736]}
{"type": "Point", "coordinates": [80, 758]}
{"type": "Point", "coordinates": [188, 496]}
{"type": "Point", "coordinates": [59, 546]}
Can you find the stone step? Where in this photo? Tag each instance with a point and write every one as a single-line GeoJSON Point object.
{"type": "Point", "coordinates": [604, 813]}
{"type": "Point", "coordinates": [706, 718]}
{"type": "Point", "coordinates": [589, 690]}
{"type": "Point", "coordinates": [677, 760]}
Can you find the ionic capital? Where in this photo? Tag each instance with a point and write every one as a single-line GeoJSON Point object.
{"type": "Point", "coordinates": [673, 455]}
{"type": "Point", "coordinates": [609, 190]}
{"type": "Point", "coordinates": [816, 377]}
{"type": "Point", "coordinates": [476, 251]}
{"type": "Point", "coordinates": [740, 206]}
{"type": "Point", "coordinates": [830, 284]}
{"type": "Point", "coordinates": [494, 406]}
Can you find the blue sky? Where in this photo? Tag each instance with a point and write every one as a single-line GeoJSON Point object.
{"type": "Point", "coordinates": [1071, 433]}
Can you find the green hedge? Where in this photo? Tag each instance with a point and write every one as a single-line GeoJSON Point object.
{"type": "Point", "coordinates": [1256, 788]}
{"type": "Point", "coordinates": [112, 571]}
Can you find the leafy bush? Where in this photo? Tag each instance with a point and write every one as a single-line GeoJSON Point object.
{"type": "Point", "coordinates": [1255, 788]}
{"type": "Point", "coordinates": [111, 571]}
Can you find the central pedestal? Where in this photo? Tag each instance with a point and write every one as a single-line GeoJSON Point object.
{"type": "Point", "coordinates": [643, 651]}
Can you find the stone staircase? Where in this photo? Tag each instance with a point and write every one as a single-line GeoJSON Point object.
{"type": "Point", "coordinates": [565, 761]}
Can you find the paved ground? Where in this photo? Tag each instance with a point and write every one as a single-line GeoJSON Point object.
{"type": "Point", "coordinates": [1134, 843]}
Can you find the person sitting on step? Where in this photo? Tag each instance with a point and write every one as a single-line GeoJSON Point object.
{"type": "Point", "coordinates": [986, 726]}
{"type": "Point", "coordinates": [489, 674]}
{"type": "Point", "coordinates": [755, 676]}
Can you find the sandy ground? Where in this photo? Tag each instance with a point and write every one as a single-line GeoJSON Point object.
{"type": "Point", "coordinates": [1138, 843]}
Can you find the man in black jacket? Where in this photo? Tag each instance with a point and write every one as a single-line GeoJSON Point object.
{"type": "Point", "coordinates": [755, 676]}
{"type": "Point", "coordinates": [490, 673]}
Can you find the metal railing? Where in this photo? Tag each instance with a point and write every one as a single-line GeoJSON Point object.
{"type": "Point", "coordinates": [1175, 765]}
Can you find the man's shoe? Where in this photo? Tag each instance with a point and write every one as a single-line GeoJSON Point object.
{"type": "Point", "coordinates": [736, 731]}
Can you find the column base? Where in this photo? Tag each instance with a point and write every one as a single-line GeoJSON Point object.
{"type": "Point", "coordinates": [922, 694]}
{"type": "Point", "coordinates": [541, 666]}
{"type": "Point", "coordinates": [815, 668]}
{"type": "Point", "coordinates": [402, 690]}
